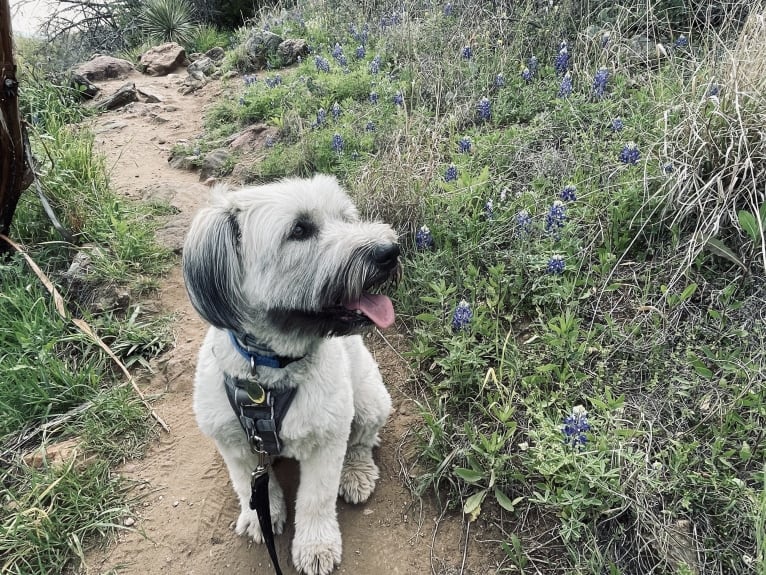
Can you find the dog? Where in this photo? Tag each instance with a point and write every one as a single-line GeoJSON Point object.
{"type": "Point", "coordinates": [287, 271]}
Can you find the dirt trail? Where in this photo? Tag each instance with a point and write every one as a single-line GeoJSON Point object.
{"type": "Point", "coordinates": [184, 501]}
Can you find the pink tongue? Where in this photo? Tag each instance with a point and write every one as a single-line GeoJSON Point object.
{"type": "Point", "coordinates": [377, 307]}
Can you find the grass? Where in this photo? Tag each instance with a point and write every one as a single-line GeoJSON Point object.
{"type": "Point", "coordinates": [57, 384]}
{"type": "Point", "coordinates": [633, 298]}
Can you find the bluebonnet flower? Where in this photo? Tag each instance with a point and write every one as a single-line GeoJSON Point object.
{"type": "Point", "coordinates": [375, 65]}
{"type": "Point", "coordinates": [489, 209]}
{"type": "Point", "coordinates": [273, 81]}
{"type": "Point", "coordinates": [447, 9]}
{"type": "Point", "coordinates": [464, 145]}
{"type": "Point", "coordinates": [556, 217]}
{"type": "Point", "coordinates": [575, 426]}
{"type": "Point", "coordinates": [681, 42]}
{"type": "Point", "coordinates": [485, 109]}
{"type": "Point", "coordinates": [713, 91]}
{"type": "Point", "coordinates": [569, 193]}
{"type": "Point", "coordinates": [616, 125]}
{"type": "Point", "coordinates": [374, 97]}
{"type": "Point", "coordinates": [241, 101]}
{"type": "Point", "coordinates": [503, 194]}
{"type": "Point", "coordinates": [526, 74]}
{"type": "Point", "coordinates": [337, 143]}
{"type": "Point", "coordinates": [466, 53]}
{"type": "Point", "coordinates": [337, 51]}
{"type": "Point", "coordinates": [399, 99]}
{"type": "Point", "coordinates": [556, 265]}
{"type": "Point", "coordinates": [342, 61]}
{"type": "Point", "coordinates": [499, 80]}
{"type": "Point", "coordinates": [336, 111]}
{"type": "Point", "coordinates": [269, 143]}
{"type": "Point", "coordinates": [462, 316]}
{"type": "Point", "coordinates": [565, 90]}
{"type": "Point", "coordinates": [630, 154]}
{"type": "Point", "coordinates": [451, 173]}
{"type": "Point", "coordinates": [249, 79]}
{"type": "Point", "coordinates": [423, 238]}
{"type": "Point", "coordinates": [605, 38]}
{"type": "Point", "coordinates": [599, 82]}
{"type": "Point", "coordinates": [523, 220]}
{"type": "Point", "coordinates": [532, 64]}
{"type": "Point", "coordinates": [561, 64]}
{"type": "Point", "coordinates": [321, 64]}
{"type": "Point", "coordinates": [359, 53]}
{"type": "Point", "coordinates": [321, 116]}
{"type": "Point", "coordinates": [370, 127]}
{"type": "Point", "coordinates": [668, 167]}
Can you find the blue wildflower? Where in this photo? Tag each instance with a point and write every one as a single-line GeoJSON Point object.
{"type": "Point", "coordinates": [605, 38]}
{"type": "Point", "coordinates": [526, 74]}
{"type": "Point", "coordinates": [565, 90]}
{"type": "Point", "coordinates": [423, 238]}
{"type": "Point", "coordinates": [575, 426]}
{"type": "Point", "coordinates": [668, 167]}
{"type": "Point", "coordinates": [485, 109]}
{"type": "Point", "coordinates": [489, 209]}
{"type": "Point", "coordinates": [713, 91]}
{"type": "Point", "coordinates": [533, 64]}
{"type": "Point", "coordinates": [242, 101]}
{"type": "Point", "coordinates": [399, 99]}
{"type": "Point", "coordinates": [555, 218]}
{"type": "Point", "coordinates": [337, 143]}
{"type": "Point", "coordinates": [321, 64]}
{"type": "Point", "coordinates": [523, 221]}
{"type": "Point", "coordinates": [375, 65]}
{"type": "Point", "coordinates": [370, 127]}
{"type": "Point", "coordinates": [447, 9]}
{"type": "Point", "coordinates": [499, 80]}
{"type": "Point", "coordinates": [599, 82]}
{"type": "Point", "coordinates": [556, 265]}
{"type": "Point", "coordinates": [462, 316]}
{"type": "Point", "coordinates": [569, 193]}
{"type": "Point", "coordinates": [336, 111]}
{"type": "Point", "coordinates": [681, 42]}
{"type": "Point", "coordinates": [360, 53]}
{"type": "Point", "coordinates": [249, 79]}
{"type": "Point", "coordinates": [561, 64]}
{"type": "Point", "coordinates": [630, 154]}
{"type": "Point", "coordinates": [337, 51]}
{"type": "Point", "coordinates": [269, 143]}
{"type": "Point", "coordinates": [342, 61]}
{"type": "Point", "coordinates": [617, 125]}
{"type": "Point", "coordinates": [374, 97]}
{"type": "Point", "coordinates": [466, 53]}
{"type": "Point", "coordinates": [503, 194]}
{"type": "Point", "coordinates": [273, 81]}
{"type": "Point", "coordinates": [464, 145]}
{"type": "Point", "coordinates": [321, 116]}
{"type": "Point", "coordinates": [450, 174]}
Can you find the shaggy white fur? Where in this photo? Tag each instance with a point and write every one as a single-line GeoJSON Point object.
{"type": "Point", "coordinates": [288, 265]}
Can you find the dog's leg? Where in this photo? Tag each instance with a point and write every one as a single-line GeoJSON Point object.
{"type": "Point", "coordinates": [317, 544]}
{"type": "Point", "coordinates": [241, 464]}
{"type": "Point", "coordinates": [372, 405]}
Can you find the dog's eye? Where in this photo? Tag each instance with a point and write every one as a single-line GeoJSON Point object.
{"type": "Point", "coordinates": [301, 231]}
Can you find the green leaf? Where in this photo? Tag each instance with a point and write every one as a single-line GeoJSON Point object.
{"type": "Point", "coordinates": [749, 224]}
{"type": "Point", "coordinates": [468, 475]}
{"type": "Point", "coordinates": [688, 292]}
{"type": "Point", "coordinates": [426, 317]}
{"type": "Point", "coordinates": [472, 506]}
{"type": "Point", "coordinates": [505, 502]}
{"type": "Point", "coordinates": [722, 250]}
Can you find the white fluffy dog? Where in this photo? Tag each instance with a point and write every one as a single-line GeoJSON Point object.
{"type": "Point", "coordinates": [282, 271]}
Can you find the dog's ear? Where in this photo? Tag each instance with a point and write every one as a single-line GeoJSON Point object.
{"type": "Point", "coordinates": [212, 267]}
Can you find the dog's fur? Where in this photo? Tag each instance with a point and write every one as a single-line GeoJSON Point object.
{"type": "Point", "coordinates": [275, 262]}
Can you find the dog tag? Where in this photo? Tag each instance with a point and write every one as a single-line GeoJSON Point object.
{"type": "Point", "coordinates": [254, 390]}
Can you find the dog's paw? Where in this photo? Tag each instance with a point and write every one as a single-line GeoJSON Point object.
{"type": "Point", "coordinates": [358, 477]}
{"type": "Point", "coordinates": [317, 558]}
{"type": "Point", "coordinates": [247, 523]}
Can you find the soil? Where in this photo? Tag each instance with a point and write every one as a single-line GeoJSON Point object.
{"type": "Point", "coordinates": [183, 504]}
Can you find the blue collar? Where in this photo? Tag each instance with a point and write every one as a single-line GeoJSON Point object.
{"type": "Point", "coordinates": [258, 355]}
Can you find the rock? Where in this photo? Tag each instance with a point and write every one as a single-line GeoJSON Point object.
{"type": "Point", "coordinates": [84, 86]}
{"type": "Point", "coordinates": [216, 54]}
{"type": "Point", "coordinates": [163, 59]}
{"type": "Point", "coordinates": [204, 65]}
{"type": "Point", "coordinates": [148, 97]}
{"type": "Point", "coordinates": [248, 137]}
{"type": "Point", "coordinates": [58, 454]}
{"type": "Point", "coordinates": [259, 46]}
{"type": "Point", "coordinates": [103, 68]}
{"type": "Point", "coordinates": [214, 163]}
{"type": "Point", "coordinates": [125, 95]}
{"type": "Point", "coordinates": [291, 49]}
{"type": "Point", "coordinates": [129, 522]}
{"type": "Point", "coordinates": [187, 162]}
{"type": "Point", "coordinates": [230, 74]}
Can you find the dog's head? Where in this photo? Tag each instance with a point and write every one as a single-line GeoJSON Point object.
{"type": "Point", "coordinates": [290, 258]}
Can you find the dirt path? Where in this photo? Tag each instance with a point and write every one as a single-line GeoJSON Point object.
{"type": "Point", "coordinates": [185, 505]}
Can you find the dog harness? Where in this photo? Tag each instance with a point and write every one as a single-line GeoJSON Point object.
{"type": "Point", "coordinates": [260, 412]}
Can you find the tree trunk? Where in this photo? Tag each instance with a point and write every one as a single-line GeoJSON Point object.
{"type": "Point", "coordinates": [12, 164]}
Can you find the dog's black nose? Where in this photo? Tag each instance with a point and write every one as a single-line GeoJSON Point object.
{"type": "Point", "coordinates": [386, 256]}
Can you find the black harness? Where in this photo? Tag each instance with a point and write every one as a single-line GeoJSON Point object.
{"type": "Point", "coordinates": [260, 412]}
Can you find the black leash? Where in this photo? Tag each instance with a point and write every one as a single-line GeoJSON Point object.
{"type": "Point", "coordinates": [259, 501]}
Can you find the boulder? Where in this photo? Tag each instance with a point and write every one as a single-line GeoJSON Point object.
{"type": "Point", "coordinates": [204, 65]}
{"type": "Point", "coordinates": [163, 59]}
{"type": "Point", "coordinates": [216, 54]}
{"type": "Point", "coordinates": [292, 49]}
{"type": "Point", "coordinates": [214, 163]}
{"type": "Point", "coordinates": [103, 68]}
{"type": "Point", "coordinates": [259, 46]}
